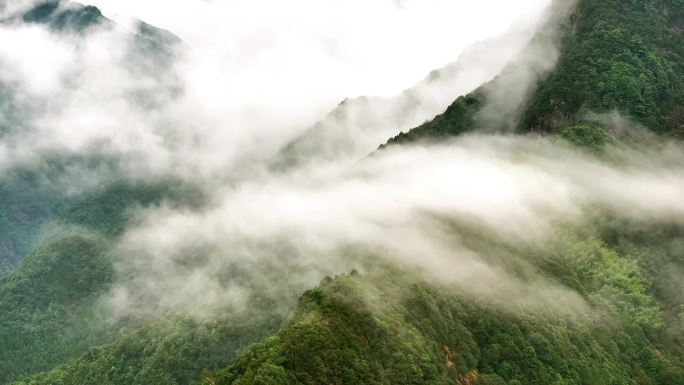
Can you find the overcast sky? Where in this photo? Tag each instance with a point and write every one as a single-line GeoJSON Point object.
{"type": "Point", "coordinates": [255, 73]}
{"type": "Point", "coordinates": [351, 47]}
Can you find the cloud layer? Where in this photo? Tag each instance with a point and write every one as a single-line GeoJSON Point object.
{"type": "Point", "coordinates": [248, 81]}
{"type": "Point", "coordinates": [393, 207]}
{"type": "Point", "coordinates": [214, 110]}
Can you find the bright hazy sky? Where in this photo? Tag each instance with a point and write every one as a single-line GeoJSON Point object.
{"type": "Point", "coordinates": [357, 47]}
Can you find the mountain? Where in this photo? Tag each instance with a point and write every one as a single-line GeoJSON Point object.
{"type": "Point", "coordinates": [55, 238]}
{"type": "Point", "coordinates": [63, 17]}
{"type": "Point", "coordinates": [33, 195]}
{"type": "Point", "coordinates": [358, 125]}
{"type": "Point", "coordinates": [614, 56]}
{"type": "Point", "coordinates": [30, 200]}
{"type": "Point", "coordinates": [351, 330]}
{"type": "Point", "coordinates": [618, 320]}
{"type": "Point", "coordinates": [389, 327]}
{"type": "Point", "coordinates": [50, 310]}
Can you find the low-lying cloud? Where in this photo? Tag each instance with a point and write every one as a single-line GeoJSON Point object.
{"type": "Point", "coordinates": [245, 83]}
{"type": "Point", "coordinates": [392, 207]}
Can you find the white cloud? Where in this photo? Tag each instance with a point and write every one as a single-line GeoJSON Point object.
{"type": "Point", "coordinates": [33, 57]}
{"type": "Point", "coordinates": [323, 219]}
{"type": "Point", "coordinates": [327, 49]}
{"type": "Point", "coordinates": [254, 73]}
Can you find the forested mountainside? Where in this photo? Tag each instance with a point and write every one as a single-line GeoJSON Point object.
{"type": "Point", "coordinates": [353, 330]}
{"type": "Point", "coordinates": [621, 56]}
{"type": "Point", "coordinates": [599, 302]}
{"type": "Point", "coordinates": [49, 303]}
{"type": "Point", "coordinates": [34, 193]}
{"type": "Point", "coordinates": [30, 200]}
{"type": "Point", "coordinates": [31, 195]}
{"type": "Point", "coordinates": [388, 326]}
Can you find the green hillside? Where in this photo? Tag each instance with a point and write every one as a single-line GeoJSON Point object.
{"type": "Point", "coordinates": [30, 199]}
{"type": "Point", "coordinates": [600, 302]}
{"type": "Point", "coordinates": [170, 351]}
{"type": "Point", "coordinates": [625, 56]}
{"type": "Point", "coordinates": [34, 192]}
{"type": "Point", "coordinates": [49, 306]}
{"type": "Point", "coordinates": [369, 329]}
{"type": "Point", "coordinates": [386, 326]}
{"type": "Point", "coordinates": [619, 55]}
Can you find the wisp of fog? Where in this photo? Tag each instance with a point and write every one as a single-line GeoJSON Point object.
{"type": "Point", "coordinates": [245, 84]}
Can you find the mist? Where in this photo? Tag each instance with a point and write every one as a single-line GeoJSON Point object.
{"type": "Point", "coordinates": [243, 85]}
{"type": "Point", "coordinates": [394, 207]}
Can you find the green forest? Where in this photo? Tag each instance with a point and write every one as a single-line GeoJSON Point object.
{"type": "Point", "coordinates": [379, 324]}
{"type": "Point", "coordinates": [621, 56]}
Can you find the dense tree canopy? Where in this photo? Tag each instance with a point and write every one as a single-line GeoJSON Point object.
{"type": "Point", "coordinates": [624, 56]}
{"type": "Point", "coordinates": [385, 325]}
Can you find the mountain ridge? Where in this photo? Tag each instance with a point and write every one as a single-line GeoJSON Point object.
{"type": "Point", "coordinates": [567, 94]}
{"type": "Point", "coordinates": [384, 324]}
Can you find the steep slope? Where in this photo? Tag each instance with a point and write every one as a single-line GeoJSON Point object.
{"type": "Point", "coordinates": [49, 309]}
{"type": "Point", "coordinates": [33, 191]}
{"type": "Point", "coordinates": [624, 56]}
{"type": "Point", "coordinates": [615, 55]}
{"type": "Point", "coordinates": [358, 125]}
{"type": "Point", "coordinates": [361, 329]}
{"type": "Point", "coordinates": [388, 326]}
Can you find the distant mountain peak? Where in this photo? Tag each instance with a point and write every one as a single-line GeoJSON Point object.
{"type": "Point", "coordinates": [65, 16]}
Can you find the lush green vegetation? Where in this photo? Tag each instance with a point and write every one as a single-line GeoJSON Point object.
{"type": "Point", "coordinates": [164, 352]}
{"type": "Point", "coordinates": [49, 308]}
{"type": "Point", "coordinates": [616, 55]}
{"type": "Point", "coordinates": [625, 56]}
{"type": "Point", "coordinates": [45, 306]}
{"type": "Point", "coordinates": [588, 136]}
{"type": "Point", "coordinates": [459, 118]}
{"type": "Point", "coordinates": [385, 325]}
{"type": "Point", "coordinates": [352, 330]}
